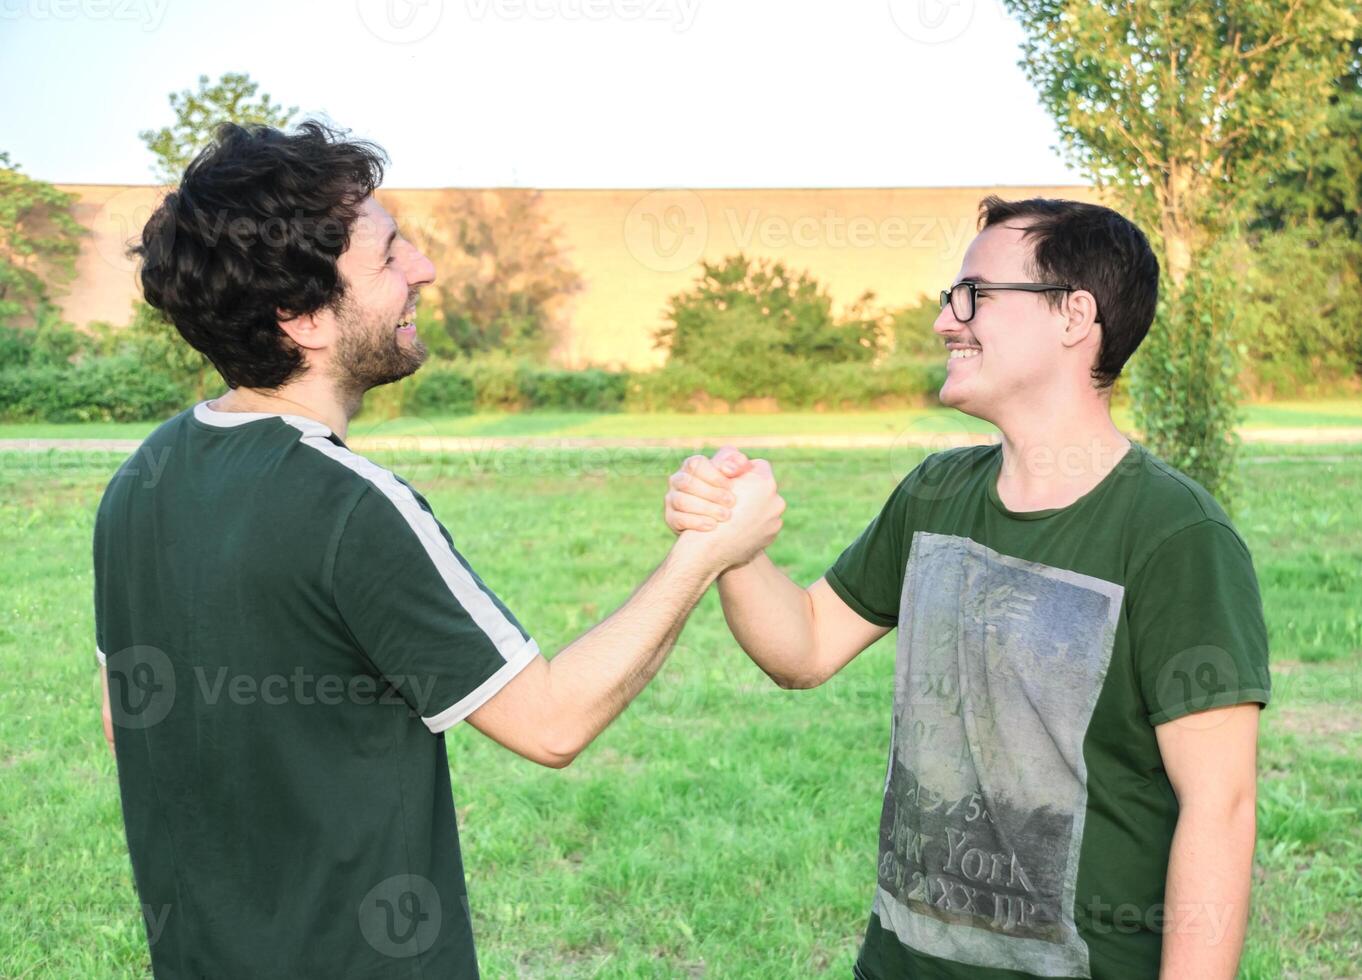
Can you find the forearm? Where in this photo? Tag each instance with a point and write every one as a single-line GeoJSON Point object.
{"type": "Point", "coordinates": [1207, 891]}
{"type": "Point", "coordinates": [772, 619]}
{"type": "Point", "coordinates": [595, 677]}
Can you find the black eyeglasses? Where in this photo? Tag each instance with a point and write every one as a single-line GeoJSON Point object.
{"type": "Point", "coordinates": [961, 296]}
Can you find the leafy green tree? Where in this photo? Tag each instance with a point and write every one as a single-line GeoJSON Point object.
{"type": "Point", "coordinates": [1300, 307]}
{"type": "Point", "coordinates": [39, 242]}
{"type": "Point", "coordinates": [198, 114]}
{"type": "Point", "coordinates": [1185, 113]}
{"type": "Point", "coordinates": [796, 310]}
{"type": "Point", "coordinates": [1320, 180]}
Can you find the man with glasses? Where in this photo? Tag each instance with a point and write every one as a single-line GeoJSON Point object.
{"type": "Point", "coordinates": [1081, 649]}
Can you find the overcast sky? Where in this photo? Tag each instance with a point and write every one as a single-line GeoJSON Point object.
{"type": "Point", "coordinates": [552, 93]}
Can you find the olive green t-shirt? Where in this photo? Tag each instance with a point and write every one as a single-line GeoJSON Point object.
{"type": "Point", "coordinates": [288, 632]}
{"type": "Point", "coordinates": [1027, 817]}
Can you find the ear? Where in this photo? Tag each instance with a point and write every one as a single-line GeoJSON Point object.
{"type": "Point", "coordinates": [1081, 313]}
{"type": "Point", "coordinates": [310, 331]}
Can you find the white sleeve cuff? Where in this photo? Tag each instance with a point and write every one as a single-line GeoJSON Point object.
{"type": "Point", "coordinates": [485, 691]}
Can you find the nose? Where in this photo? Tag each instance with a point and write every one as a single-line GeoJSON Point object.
{"type": "Point", "coordinates": [422, 270]}
{"type": "Point", "coordinates": [945, 322]}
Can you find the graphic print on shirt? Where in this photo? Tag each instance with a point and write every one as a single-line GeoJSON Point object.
{"type": "Point", "coordinates": [999, 665]}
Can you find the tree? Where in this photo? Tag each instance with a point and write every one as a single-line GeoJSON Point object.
{"type": "Point", "coordinates": [198, 114]}
{"type": "Point", "coordinates": [796, 310]}
{"type": "Point", "coordinates": [503, 277]}
{"type": "Point", "coordinates": [1321, 179]}
{"type": "Point", "coordinates": [1185, 112]}
{"type": "Point", "coordinates": [39, 242]}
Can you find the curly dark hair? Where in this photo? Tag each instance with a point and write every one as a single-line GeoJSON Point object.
{"type": "Point", "coordinates": [251, 234]}
{"type": "Point", "coordinates": [1094, 248]}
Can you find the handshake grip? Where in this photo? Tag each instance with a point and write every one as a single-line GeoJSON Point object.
{"type": "Point", "coordinates": [730, 499]}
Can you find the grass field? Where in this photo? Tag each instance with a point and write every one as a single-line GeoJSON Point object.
{"type": "Point", "coordinates": [1324, 414]}
{"type": "Point", "coordinates": [722, 828]}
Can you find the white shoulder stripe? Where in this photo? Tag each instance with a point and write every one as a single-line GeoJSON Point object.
{"type": "Point", "coordinates": [480, 607]}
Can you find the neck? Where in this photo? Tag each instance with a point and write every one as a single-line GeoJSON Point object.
{"type": "Point", "coordinates": [1055, 453]}
{"type": "Point", "coordinates": [310, 399]}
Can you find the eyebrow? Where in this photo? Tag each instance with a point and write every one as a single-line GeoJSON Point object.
{"type": "Point", "coordinates": [973, 279]}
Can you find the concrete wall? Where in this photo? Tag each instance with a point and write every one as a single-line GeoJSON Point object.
{"type": "Point", "coordinates": [635, 248]}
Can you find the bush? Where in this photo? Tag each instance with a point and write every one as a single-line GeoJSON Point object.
{"type": "Point", "coordinates": [496, 382]}
{"type": "Point", "coordinates": [794, 385]}
{"type": "Point", "coordinates": [53, 372]}
{"type": "Point", "coordinates": [796, 313]}
{"type": "Point", "coordinates": [439, 390]}
{"type": "Point", "coordinates": [676, 387]}
{"type": "Point", "coordinates": [1299, 309]}
{"type": "Point", "coordinates": [591, 390]}
{"type": "Point", "coordinates": [51, 341]}
{"type": "Point", "coordinates": [99, 389]}
{"type": "Point", "coordinates": [911, 328]}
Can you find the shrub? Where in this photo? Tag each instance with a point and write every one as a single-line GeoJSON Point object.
{"type": "Point", "coordinates": [99, 389]}
{"type": "Point", "coordinates": [757, 318]}
{"type": "Point", "coordinates": [794, 385]}
{"type": "Point", "coordinates": [439, 390]}
{"type": "Point", "coordinates": [591, 390]}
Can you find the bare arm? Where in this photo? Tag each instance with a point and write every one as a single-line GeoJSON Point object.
{"type": "Point", "coordinates": [105, 711]}
{"type": "Point", "coordinates": [799, 637]}
{"type": "Point", "coordinates": [1211, 760]}
{"type": "Point", "coordinates": [554, 708]}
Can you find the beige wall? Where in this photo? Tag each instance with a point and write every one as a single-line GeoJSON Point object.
{"type": "Point", "coordinates": [635, 248]}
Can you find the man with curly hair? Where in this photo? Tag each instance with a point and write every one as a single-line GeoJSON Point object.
{"type": "Point", "coordinates": [285, 630]}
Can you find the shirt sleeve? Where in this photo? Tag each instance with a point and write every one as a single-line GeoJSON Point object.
{"type": "Point", "coordinates": [1196, 621]}
{"type": "Point", "coordinates": [424, 618]}
{"type": "Point", "coordinates": [868, 576]}
{"type": "Point", "coordinates": [99, 589]}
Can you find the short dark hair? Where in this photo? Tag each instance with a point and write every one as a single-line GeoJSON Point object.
{"type": "Point", "coordinates": [1094, 248]}
{"type": "Point", "coordinates": [253, 231]}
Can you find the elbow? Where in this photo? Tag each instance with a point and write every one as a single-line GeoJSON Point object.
{"type": "Point", "coordinates": [558, 750]}
{"type": "Point", "coordinates": [796, 682]}
{"type": "Point", "coordinates": [555, 760]}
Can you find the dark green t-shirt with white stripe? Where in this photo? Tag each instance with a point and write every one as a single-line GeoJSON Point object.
{"type": "Point", "coordinates": [1028, 818]}
{"type": "Point", "coordinates": [288, 631]}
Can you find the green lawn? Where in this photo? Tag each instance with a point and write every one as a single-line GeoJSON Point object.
{"type": "Point", "coordinates": [722, 827]}
{"type": "Point", "coordinates": [1324, 414]}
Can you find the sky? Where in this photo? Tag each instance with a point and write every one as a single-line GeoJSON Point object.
{"type": "Point", "coordinates": [552, 93]}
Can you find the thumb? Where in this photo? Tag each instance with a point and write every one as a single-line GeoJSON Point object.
{"type": "Point", "coordinates": [731, 462]}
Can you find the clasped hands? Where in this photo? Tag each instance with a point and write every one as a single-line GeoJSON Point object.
{"type": "Point", "coordinates": [729, 501]}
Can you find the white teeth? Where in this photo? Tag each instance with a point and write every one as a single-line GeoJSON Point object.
{"type": "Point", "coordinates": [962, 352]}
